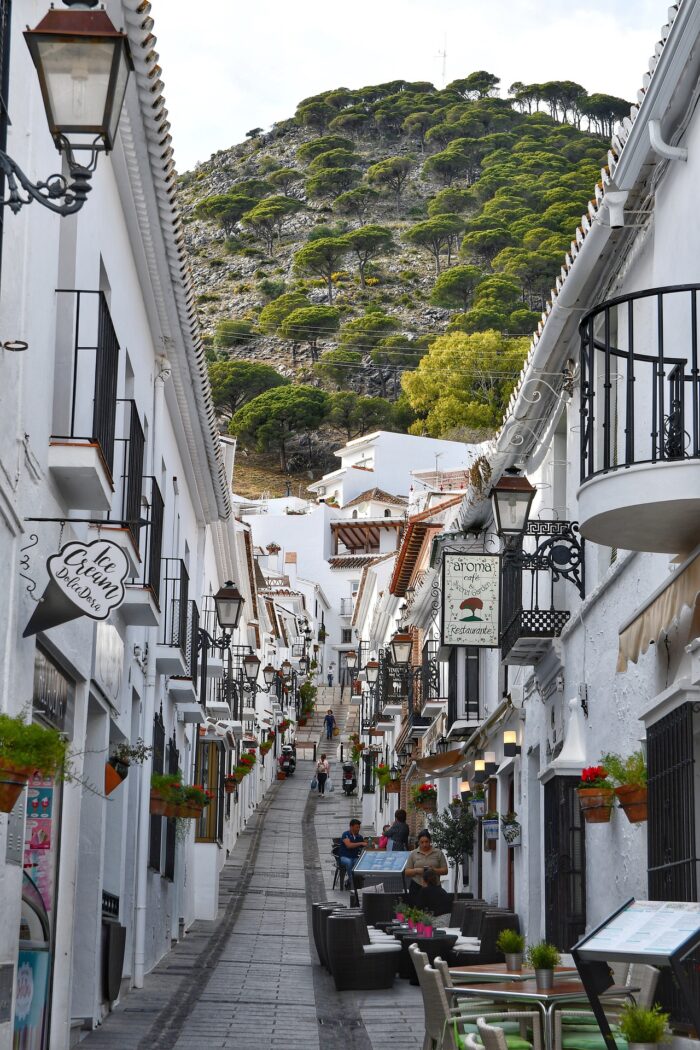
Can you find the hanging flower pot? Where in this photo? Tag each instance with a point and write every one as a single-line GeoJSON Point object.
{"type": "Point", "coordinates": [478, 806]}
{"type": "Point", "coordinates": [162, 805]}
{"type": "Point", "coordinates": [512, 831]}
{"type": "Point", "coordinates": [633, 800]}
{"type": "Point", "coordinates": [424, 796]}
{"type": "Point", "coordinates": [393, 787]}
{"type": "Point", "coordinates": [491, 828]}
{"type": "Point", "coordinates": [595, 794]}
{"type": "Point", "coordinates": [12, 781]}
{"type": "Point", "coordinates": [115, 773]}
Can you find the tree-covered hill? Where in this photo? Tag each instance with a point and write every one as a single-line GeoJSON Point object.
{"type": "Point", "coordinates": [379, 259]}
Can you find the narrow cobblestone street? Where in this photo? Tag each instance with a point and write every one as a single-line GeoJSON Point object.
{"type": "Point", "coordinates": [252, 977]}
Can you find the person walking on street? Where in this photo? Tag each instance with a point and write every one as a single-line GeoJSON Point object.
{"type": "Point", "coordinates": [322, 771]}
{"type": "Point", "coordinates": [330, 679]}
{"type": "Point", "coordinates": [398, 832]}
{"type": "Point", "coordinates": [329, 723]}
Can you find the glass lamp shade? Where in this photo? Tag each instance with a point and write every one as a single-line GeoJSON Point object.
{"type": "Point", "coordinates": [394, 773]}
{"type": "Point", "coordinates": [269, 674]}
{"type": "Point", "coordinates": [251, 666]}
{"type": "Point", "coordinates": [510, 743]}
{"type": "Point", "coordinates": [441, 745]}
{"type": "Point", "coordinates": [511, 498]}
{"type": "Point", "coordinates": [401, 645]}
{"type": "Point", "coordinates": [229, 603]}
{"type": "Point", "coordinates": [351, 659]}
{"type": "Point", "coordinates": [83, 64]}
{"type": "Point", "coordinates": [372, 671]}
{"type": "Point", "coordinates": [303, 664]}
{"type": "Point", "coordinates": [286, 668]}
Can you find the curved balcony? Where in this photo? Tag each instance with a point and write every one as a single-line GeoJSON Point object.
{"type": "Point", "coordinates": [640, 421]}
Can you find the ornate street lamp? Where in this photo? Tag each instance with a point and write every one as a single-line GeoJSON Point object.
{"type": "Point", "coordinates": [372, 671]}
{"type": "Point", "coordinates": [401, 646]}
{"type": "Point", "coordinates": [286, 668]}
{"type": "Point", "coordinates": [251, 666]}
{"type": "Point", "coordinates": [511, 499]}
{"type": "Point", "coordinates": [441, 745]}
{"type": "Point", "coordinates": [351, 660]}
{"type": "Point", "coordinates": [83, 64]}
{"type": "Point", "coordinates": [303, 664]}
{"type": "Point", "coordinates": [229, 603]}
{"type": "Point", "coordinates": [269, 675]}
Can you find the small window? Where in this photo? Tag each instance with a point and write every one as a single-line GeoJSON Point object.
{"type": "Point", "coordinates": [346, 635]}
{"type": "Point", "coordinates": [387, 513]}
{"type": "Point", "coordinates": [354, 514]}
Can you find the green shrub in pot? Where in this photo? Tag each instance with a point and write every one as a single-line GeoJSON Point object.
{"type": "Point", "coordinates": [642, 1027]}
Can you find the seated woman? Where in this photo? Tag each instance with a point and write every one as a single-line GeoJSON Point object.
{"type": "Point", "coordinates": [433, 899]}
{"type": "Point", "coordinates": [425, 856]}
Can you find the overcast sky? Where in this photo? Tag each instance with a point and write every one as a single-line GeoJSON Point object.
{"type": "Point", "coordinates": [229, 66]}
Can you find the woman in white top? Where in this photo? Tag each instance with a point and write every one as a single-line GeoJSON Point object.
{"type": "Point", "coordinates": [322, 771]}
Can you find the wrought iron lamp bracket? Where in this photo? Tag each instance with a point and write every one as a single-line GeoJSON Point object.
{"type": "Point", "coordinates": [55, 193]}
{"type": "Point", "coordinates": [558, 550]}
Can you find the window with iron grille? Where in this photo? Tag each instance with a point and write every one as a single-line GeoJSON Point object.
{"type": "Point", "coordinates": [673, 745]}
{"type": "Point", "coordinates": [156, 828]}
{"type": "Point", "coordinates": [173, 759]}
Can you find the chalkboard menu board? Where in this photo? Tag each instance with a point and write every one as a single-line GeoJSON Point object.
{"type": "Point", "coordinates": [379, 862]}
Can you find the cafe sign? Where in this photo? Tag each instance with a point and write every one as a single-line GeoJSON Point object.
{"type": "Point", "coordinates": [470, 599]}
{"type": "Point", "coordinates": [85, 579]}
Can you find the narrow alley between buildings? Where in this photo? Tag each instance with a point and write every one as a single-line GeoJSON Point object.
{"type": "Point", "coordinates": [252, 977]}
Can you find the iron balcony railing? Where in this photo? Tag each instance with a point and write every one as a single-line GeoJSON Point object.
{"type": "Point", "coordinates": [192, 641]}
{"type": "Point", "coordinates": [176, 618]}
{"type": "Point", "coordinates": [640, 380]}
{"type": "Point", "coordinates": [89, 348]}
{"type": "Point", "coordinates": [150, 538]}
{"type": "Point", "coordinates": [130, 484]}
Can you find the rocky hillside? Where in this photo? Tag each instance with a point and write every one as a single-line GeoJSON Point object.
{"type": "Point", "coordinates": [340, 245]}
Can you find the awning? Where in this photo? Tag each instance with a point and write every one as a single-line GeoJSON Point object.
{"type": "Point", "coordinates": [660, 611]}
{"type": "Point", "coordinates": [442, 765]}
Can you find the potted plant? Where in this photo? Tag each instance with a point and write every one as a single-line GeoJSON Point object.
{"type": "Point", "coordinates": [165, 794]}
{"type": "Point", "coordinates": [644, 1029]}
{"type": "Point", "coordinates": [595, 794]}
{"type": "Point", "coordinates": [478, 803]}
{"type": "Point", "coordinates": [424, 796]}
{"type": "Point", "coordinates": [455, 803]}
{"type": "Point", "coordinates": [629, 775]}
{"type": "Point", "coordinates": [193, 799]}
{"type": "Point", "coordinates": [25, 748]}
{"type": "Point", "coordinates": [231, 782]}
{"type": "Point", "coordinates": [512, 944]}
{"type": "Point", "coordinates": [284, 725]}
{"type": "Point", "coordinates": [490, 826]}
{"type": "Point", "coordinates": [511, 829]}
{"type": "Point", "coordinates": [453, 832]}
{"type": "Point", "coordinates": [122, 756]}
{"type": "Point", "coordinates": [543, 958]}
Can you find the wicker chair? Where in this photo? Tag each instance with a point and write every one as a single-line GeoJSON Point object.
{"type": "Point", "coordinates": [316, 910]}
{"type": "Point", "coordinates": [492, 924]}
{"type": "Point", "coordinates": [578, 1029]}
{"type": "Point", "coordinates": [355, 962]}
{"type": "Point", "coordinates": [379, 907]}
{"type": "Point", "coordinates": [446, 1029]}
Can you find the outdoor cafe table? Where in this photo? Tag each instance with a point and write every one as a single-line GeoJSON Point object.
{"type": "Point", "coordinates": [569, 990]}
{"type": "Point", "coordinates": [498, 972]}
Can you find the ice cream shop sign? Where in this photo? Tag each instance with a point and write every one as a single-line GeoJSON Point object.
{"type": "Point", "coordinates": [470, 599]}
{"type": "Point", "coordinates": [85, 579]}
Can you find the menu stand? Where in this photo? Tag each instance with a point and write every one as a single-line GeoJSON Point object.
{"type": "Point", "coordinates": [658, 933]}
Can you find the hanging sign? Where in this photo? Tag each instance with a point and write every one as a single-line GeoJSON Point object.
{"type": "Point", "coordinates": [470, 599]}
{"type": "Point", "coordinates": [85, 579]}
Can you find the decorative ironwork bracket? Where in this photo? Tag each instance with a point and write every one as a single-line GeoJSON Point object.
{"type": "Point", "coordinates": [50, 192]}
{"type": "Point", "coordinates": [559, 550]}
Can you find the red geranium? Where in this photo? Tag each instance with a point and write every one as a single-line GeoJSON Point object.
{"type": "Point", "coordinates": [595, 776]}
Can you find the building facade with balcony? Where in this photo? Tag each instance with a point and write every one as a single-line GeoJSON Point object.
{"type": "Point", "coordinates": [107, 436]}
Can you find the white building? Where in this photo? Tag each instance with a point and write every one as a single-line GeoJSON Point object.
{"type": "Point", "coordinates": [107, 434]}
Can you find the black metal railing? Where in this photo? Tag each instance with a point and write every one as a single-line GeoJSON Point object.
{"type": "Point", "coordinates": [464, 698]}
{"type": "Point", "coordinates": [5, 20]}
{"type": "Point", "coordinates": [154, 544]}
{"type": "Point", "coordinates": [193, 641]}
{"type": "Point", "coordinates": [176, 584]}
{"type": "Point", "coordinates": [640, 380]}
{"type": "Point", "coordinates": [535, 570]}
{"type": "Point", "coordinates": [95, 367]}
{"type": "Point", "coordinates": [430, 673]}
{"type": "Point", "coordinates": [132, 468]}
{"type": "Point", "coordinates": [158, 766]}
{"type": "Point", "coordinates": [673, 858]}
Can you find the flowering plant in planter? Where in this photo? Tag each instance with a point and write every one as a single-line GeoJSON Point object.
{"type": "Point", "coordinates": [629, 779]}
{"type": "Point", "coordinates": [193, 800]}
{"type": "Point", "coordinates": [511, 828]}
{"type": "Point", "coordinates": [166, 794]}
{"type": "Point", "coordinates": [25, 748]}
{"type": "Point", "coordinates": [247, 759]}
{"type": "Point", "coordinates": [595, 793]}
{"type": "Point", "coordinates": [231, 782]}
{"type": "Point", "coordinates": [383, 773]}
{"type": "Point", "coordinates": [284, 725]}
{"type": "Point", "coordinates": [424, 796]}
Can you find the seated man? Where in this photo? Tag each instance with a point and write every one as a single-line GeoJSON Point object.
{"type": "Point", "coordinates": [351, 843]}
{"type": "Point", "coordinates": [433, 899]}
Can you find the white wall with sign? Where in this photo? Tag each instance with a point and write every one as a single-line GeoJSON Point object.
{"type": "Point", "coordinates": [470, 599]}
